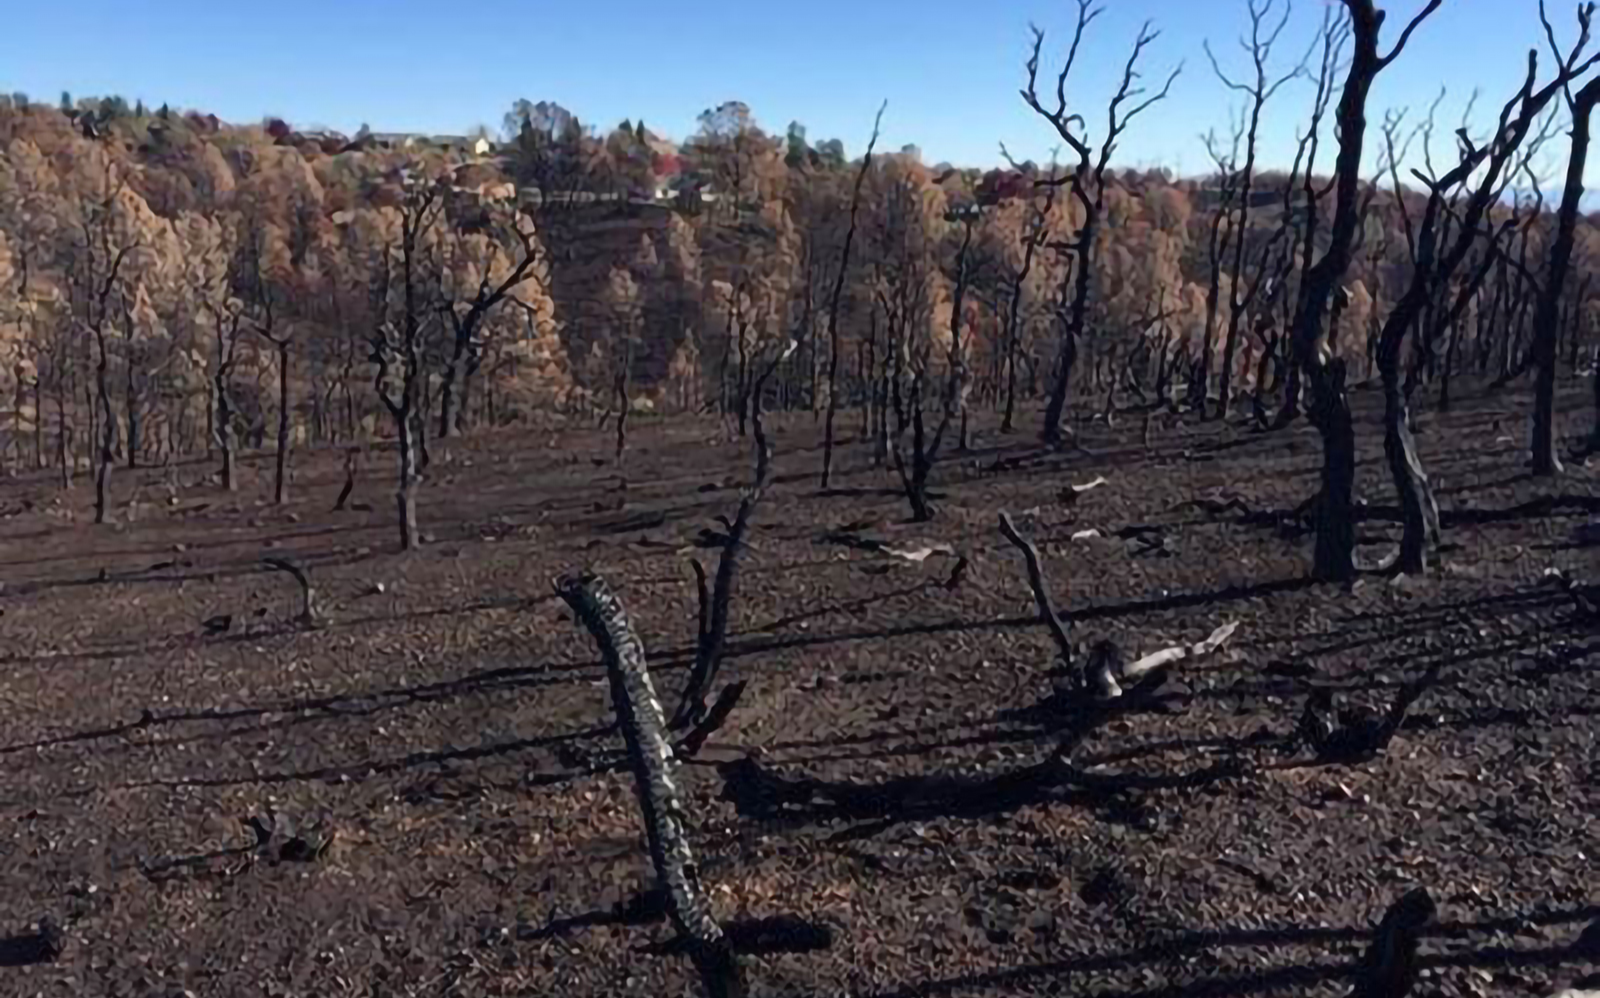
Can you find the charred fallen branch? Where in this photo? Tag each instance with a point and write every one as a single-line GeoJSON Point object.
{"type": "Point", "coordinates": [650, 755]}
{"type": "Point", "coordinates": [1389, 968]}
{"type": "Point", "coordinates": [1041, 590]}
{"type": "Point", "coordinates": [1105, 674]}
{"type": "Point", "coordinates": [1347, 735]}
{"type": "Point", "coordinates": [308, 594]}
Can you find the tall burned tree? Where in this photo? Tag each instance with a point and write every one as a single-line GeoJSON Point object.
{"type": "Point", "coordinates": [467, 315]}
{"type": "Point", "coordinates": [402, 338]}
{"type": "Point", "coordinates": [1335, 34]}
{"type": "Point", "coordinates": [1437, 255]}
{"type": "Point", "coordinates": [1088, 183]}
{"type": "Point", "coordinates": [1036, 235]}
{"type": "Point", "coordinates": [1258, 90]}
{"type": "Point", "coordinates": [96, 270]}
{"type": "Point", "coordinates": [1546, 321]}
{"type": "Point", "coordinates": [1324, 371]}
{"type": "Point", "coordinates": [1217, 241]}
{"type": "Point", "coordinates": [262, 300]}
{"type": "Point", "coordinates": [835, 298]}
{"type": "Point", "coordinates": [712, 632]}
{"type": "Point", "coordinates": [925, 448]}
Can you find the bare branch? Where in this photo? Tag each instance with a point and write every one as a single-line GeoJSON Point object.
{"type": "Point", "coordinates": [1041, 590]}
{"type": "Point", "coordinates": [1405, 36]}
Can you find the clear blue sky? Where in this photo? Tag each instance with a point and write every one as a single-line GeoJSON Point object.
{"type": "Point", "coordinates": [950, 70]}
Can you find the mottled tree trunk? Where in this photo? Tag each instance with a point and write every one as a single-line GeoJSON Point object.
{"type": "Point", "coordinates": [651, 758]}
{"type": "Point", "coordinates": [406, 492]}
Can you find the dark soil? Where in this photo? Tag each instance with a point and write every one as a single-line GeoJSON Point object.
{"type": "Point", "coordinates": [421, 796]}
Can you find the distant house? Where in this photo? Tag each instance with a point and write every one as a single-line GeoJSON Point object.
{"type": "Point", "coordinates": [392, 140]}
{"type": "Point", "coordinates": [479, 146]}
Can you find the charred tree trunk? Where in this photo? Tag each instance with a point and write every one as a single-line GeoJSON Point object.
{"type": "Point", "coordinates": [624, 405]}
{"type": "Point", "coordinates": [1072, 328]}
{"type": "Point", "coordinates": [108, 427]}
{"type": "Point", "coordinates": [1334, 559]}
{"type": "Point", "coordinates": [62, 446]}
{"type": "Point", "coordinates": [1218, 245]}
{"type": "Point", "coordinates": [224, 404]}
{"type": "Point", "coordinates": [280, 488]}
{"type": "Point", "coordinates": [1031, 246]}
{"type": "Point", "coordinates": [131, 405]}
{"type": "Point", "coordinates": [713, 623]}
{"type": "Point", "coordinates": [834, 301]}
{"type": "Point", "coordinates": [1546, 320]}
{"type": "Point", "coordinates": [650, 755]}
{"type": "Point", "coordinates": [406, 491]}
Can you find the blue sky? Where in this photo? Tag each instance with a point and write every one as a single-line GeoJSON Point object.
{"type": "Point", "coordinates": [950, 70]}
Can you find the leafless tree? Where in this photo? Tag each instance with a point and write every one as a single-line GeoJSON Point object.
{"type": "Point", "coordinates": [925, 449]}
{"type": "Point", "coordinates": [227, 318]}
{"type": "Point", "coordinates": [1258, 90]}
{"type": "Point", "coordinates": [98, 268]}
{"type": "Point", "coordinates": [263, 302]}
{"type": "Point", "coordinates": [1437, 256]}
{"type": "Point", "coordinates": [1333, 38]}
{"type": "Point", "coordinates": [1037, 234]}
{"type": "Point", "coordinates": [1217, 241]}
{"type": "Point", "coordinates": [712, 631]}
{"type": "Point", "coordinates": [836, 296]}
{"type": "Point", "coordinates": [1088, 182]}
{"type": "Point", "coordinates": [1547, 317]}
{"type": "Point", "coordinates": [467, 316]}
{"type": "Point", "coordinates": [1325, 372]}
{"type": "Point", "coordinates": [402, 339]}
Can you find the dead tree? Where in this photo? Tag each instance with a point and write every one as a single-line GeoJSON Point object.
{"type": "Point", "coordinates": [350, 456]}
{"type": "Point", "coordinates": [1333, 37]}
{"type": "Point", "coordinates": [404, 341]}
{"type": "Point", "coordinates": [266, 327]}
{"type": "Point", "coordinates": [1088, 183]}
{"type": "Point", "coordinates": [1324, 372]}
{"type": "Point", "coordinates": [1038, 233]}
{"type": "Point", "coordinates": [227, 319]}
{"type": "Point", "coordinates": [622, 388]}
{"type": "Point", "coordinates": [712, 631]}
{"type": "Point", "coordinates": [467, 316]}
{"type": "Point", "coordinates": [1436, 258]}
{"type": "Point", "coordinates": [1546, 318]}
{"type": "Point", "coordinates": [650, 754]}
{"type": "Point", "coordinates": [925, 449]}
{"type": "Point", "coordinates": [1217, 243]}
{"type": "Point", "coordinates": [836, 297]}
{"type": "Point", "coordinates": [1259, 90]}
{"type": "Point", "coordinates": [99, 268]}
